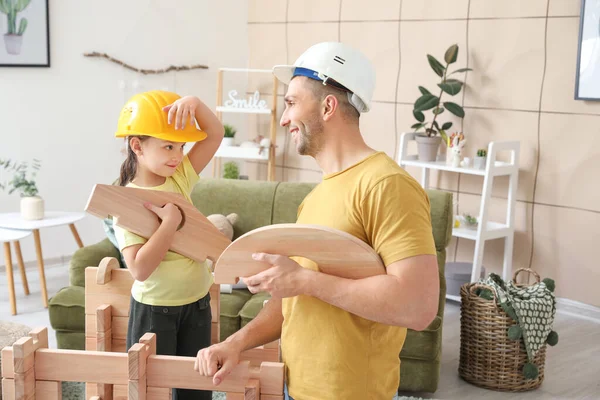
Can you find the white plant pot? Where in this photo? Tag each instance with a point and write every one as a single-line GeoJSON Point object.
{"type": "Point", "coordinates": [428, 147]}
{"type": "Point", "coordinates": [228, 141]}
{"type": "Point", "coordinates": [479, 162]}
{"type": "Point", "coordinates": [32, 208]}
{"type": "Point", "coordinates": [13, 43]}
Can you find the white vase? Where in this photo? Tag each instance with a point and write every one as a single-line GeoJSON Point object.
{"type": "Point", "coordinates": [32, 208]}
{"type": "Point", "coordinates": [228, 141]}
{"type": "Point", "coordinates": [479, 162]}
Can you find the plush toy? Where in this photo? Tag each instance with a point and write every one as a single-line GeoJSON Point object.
{"type": "Point", "coordinates": [225, 225]}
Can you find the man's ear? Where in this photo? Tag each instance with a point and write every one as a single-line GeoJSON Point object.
{"type": "Point", "coordinates": [330, 105]}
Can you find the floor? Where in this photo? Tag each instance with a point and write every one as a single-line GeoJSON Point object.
{"type": "Point", "coordinates": [572, 367]}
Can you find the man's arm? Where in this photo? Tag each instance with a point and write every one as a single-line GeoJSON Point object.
{"type": "Point", "coordinates": [406, 296]}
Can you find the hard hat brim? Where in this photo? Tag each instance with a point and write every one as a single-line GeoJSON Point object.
{"type": "Point", "coordinates": [284, 73]}
{"type": "Point", "coordinates": [179, 137]}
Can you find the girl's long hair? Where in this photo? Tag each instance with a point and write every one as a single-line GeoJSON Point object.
{"type": "Point", "coordinates": [129, 166]}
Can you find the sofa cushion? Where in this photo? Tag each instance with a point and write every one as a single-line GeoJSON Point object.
{"type": "Point", "coordinates": [252, 307]}
{"type": "Point", "coordinates": [231, 304]}
{"type": "Point", "coordinates": [287, 200]}
{"type": "Point", "coordinates": [67, 309]}
{"type": "Point", "coordinates": [441, 211]}
{"type": "Point", "coordinates": [252, 201]}
{"type": "Point", "coordinates": [69, 340]}
{"type": "Point", "coordinates": [425, 344]}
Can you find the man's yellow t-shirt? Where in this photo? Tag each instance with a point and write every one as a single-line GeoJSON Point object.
{"type": "Point", "coordinates": [330, 353]}
{"type": "Point", "coordinates": [177, 280]}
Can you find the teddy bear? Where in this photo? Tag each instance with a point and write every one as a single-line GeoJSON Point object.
{"type": "Point", "coordinates": [225, 225]}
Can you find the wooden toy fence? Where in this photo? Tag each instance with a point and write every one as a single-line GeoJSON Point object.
{"type": "Point", "coordinates": [32, 371]}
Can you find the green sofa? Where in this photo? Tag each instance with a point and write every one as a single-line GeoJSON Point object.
{"type": "Point", "coordinates": [260, 203]}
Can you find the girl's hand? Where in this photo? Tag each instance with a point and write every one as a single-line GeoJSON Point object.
{"type": "Point", "coordinates": [182, 110]}
{"type": "Point", "coordinates": [169, 213]}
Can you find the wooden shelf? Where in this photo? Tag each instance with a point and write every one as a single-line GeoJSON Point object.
{"type": "Point", "coordinates": [244, 110]}
{"type": "Point", "coordinates": [244, 153]}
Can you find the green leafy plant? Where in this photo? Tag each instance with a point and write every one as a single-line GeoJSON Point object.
{"type": "Point", "coordinates": [481, 152]}
{"type": "Point", "coordinates": [11, 8]}
{"type": "Point", "coordinates": [20, 181]}
{"type": "Point", "coordinates": [230, 131]}
{"type": "Point", "coordinates": [231, 170]}
{"type": "Point", "coordinates": [470, 220]}
{"type": "Point", "coordinates": [428, 101]}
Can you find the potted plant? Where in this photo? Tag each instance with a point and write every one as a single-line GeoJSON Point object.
{"type": "Point", "coordinates": [14, 36]}
{"type": "Point", "coordinates": [231, 170]}
{"type": "Point", "coordinates": [428, 142]}
{"type": "Point", "coordinates": [480, 159]}
{"type": "Point", "coordinates": [32, 205]}
{"type": "Point", "coordinates": [230, 132]}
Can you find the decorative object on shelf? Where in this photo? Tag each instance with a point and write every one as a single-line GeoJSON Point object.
{"type": "Point", "coordinates": [32, 205]}
{"type": "Point", "coordinates": [146, 71]}
{"type": "Point", "coordinates": [230, 132]}
{"type": "Point", "coordinates": [480, 159]}
{"type": "Point", "coordinates": [253, 103]}
{"type": "Point", "coordinates": [456, 142]}
{"type": "Point", "coordinates": [231, 170]}
{"type": "Point", "coordinates": [19, 35]}
{"type": "Point", "coordinates": [587, 74]}
{"type": "Point", "coordinates": [469, 221]}
{"type": "Point", "coordinates": [510, 323]}
{"type": "Point", "coordinates": [428, 143]}
{"type": "Point", "coordinates": [466, 162]}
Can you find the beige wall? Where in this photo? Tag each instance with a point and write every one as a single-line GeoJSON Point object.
{"type": "Point", "coordinates": [524, 56]}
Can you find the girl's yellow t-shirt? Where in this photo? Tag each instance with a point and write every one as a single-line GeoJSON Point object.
{"type": "Point", "coordinates": [177, 280]}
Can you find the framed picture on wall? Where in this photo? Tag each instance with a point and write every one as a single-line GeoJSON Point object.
{"type": "Point", "coordinates": [587, 82]}
{"type": "Point", "coordinates": [25, 29]}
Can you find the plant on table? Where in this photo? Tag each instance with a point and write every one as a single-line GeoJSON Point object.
{"type": "Point", "coordinates": [20, 180]}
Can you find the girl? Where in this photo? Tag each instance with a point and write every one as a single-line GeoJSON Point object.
{"type": "Point", "coordinates": [170, 294]}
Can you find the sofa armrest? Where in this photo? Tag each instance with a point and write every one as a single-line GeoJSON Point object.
{"type": "Point", "coordinates": [441, 217]}
{"type": "Point", "coordinates": [90, 256]}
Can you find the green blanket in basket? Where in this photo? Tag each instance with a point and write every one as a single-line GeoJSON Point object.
{"type": "Point", "coordinates": [533, 308]}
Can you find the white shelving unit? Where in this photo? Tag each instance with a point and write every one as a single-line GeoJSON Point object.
{"type": "Point", "coordinates": [247, 153]}
{"type": "Point", "coordinates": [486, 229]}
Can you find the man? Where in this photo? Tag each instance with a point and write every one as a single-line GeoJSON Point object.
{"type": "Point", "coordinates": [341, 338]}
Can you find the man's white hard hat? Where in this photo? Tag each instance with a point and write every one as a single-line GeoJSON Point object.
{"type": "Point", "coordinates": [335, 61]}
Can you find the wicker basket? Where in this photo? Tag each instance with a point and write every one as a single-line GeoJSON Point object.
{"type": "Point", "coordinates": [488, 358]}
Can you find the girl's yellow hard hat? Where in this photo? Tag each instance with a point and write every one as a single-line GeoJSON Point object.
{"type": "Point", "coordinates": [143, 115]}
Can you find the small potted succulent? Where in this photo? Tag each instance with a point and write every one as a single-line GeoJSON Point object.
{"type": "Point", "coordinates": [429, 141]}
{"type": "Point", "coordinates": [231, 170]}
{"type": "Point", "coordinates": [230, 132]}
{"type": "Point", "coordinates": [32, 205]}
{"type": "Point", "coordinates": [480, 160]}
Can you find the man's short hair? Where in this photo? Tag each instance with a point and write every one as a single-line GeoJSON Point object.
{"type": "Point", "coordinates": [341, 94]}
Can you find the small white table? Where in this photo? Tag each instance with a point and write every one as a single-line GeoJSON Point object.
{"type": "Point", "coordinates": [7, 236]}
{"type": "Point", "coordinates": [51, 219]}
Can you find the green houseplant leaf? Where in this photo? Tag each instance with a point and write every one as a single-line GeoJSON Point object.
{"type": "Point", "coordinates": [437, 67]}
{"type": "Point", "coordinates": [447, 126]}
{"type": "Point", "coordinates": [423, 90]}
{"type": "Point", "coordinates": [455, 109]}
{"type": "Point", "coordinates": [419, 116]}
{"type": "Point", "coordinates": [451, 86]}
{"type": "Point", "coordinates": [451, 54]}
{"type": "Point", "coordinates": [426, 102]}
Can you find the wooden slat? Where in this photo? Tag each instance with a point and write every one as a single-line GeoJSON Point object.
{"type": "Point", "coordinates": [126, 205]}
{"type": "Point", "coordinates": [257, 356]}
{"type": "Point", "coordinates": [154, 393]}
{"type": "Point", "coordinates": [48, 390]}
{"type": "Point", "coordinates": [40, 337]}
{"type": "Point", "coordinates": [7, 362]}
{"type": "Point", "coordinates": [214, 333]}
{"type": "Point", "coordinates": [78, 366]}
{"type": "Point", "coordinates": [105, 268]}
{"type": "Point", "coordinates": [120, 392]}
{"type": "Point", "coordinates": [25, 385]}
{"type": "Point", "coordinates": [252, 390]}
{"type": "Point", "coordinates": [136, 390]}
{"type": "Point", "coordinates": [119, 326]}
{"type": "Point", "coordinates": [271, 397]}
{"type": "Point", "coordinates": [272, 378]}
{"type": "Point", "coordinates": [104, 318]}
{"type": "Point", "coordinates": [335, 252]}
{"type": "Point", "coordinates": [105, 391]}
{"type": "Point", "coordinates": [120, 283]}
{"type": "Point", "coordinates": [234, 396]}
{"type": "Point", "coordinates": [119, 303]}
{"type": "Point", "coordinates": [170, 371]}
{"type": "Point", "coordinates": [23, 355]}
{"type": "Point", "coordinates": [8, 388]}
{"type": "Point", "coordinates": [117, 345]}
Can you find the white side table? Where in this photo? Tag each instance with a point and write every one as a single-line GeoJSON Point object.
{"type": "Point", "coordinates": [7, 236]}
{"type": "Point", "coordinates": [51, 219]}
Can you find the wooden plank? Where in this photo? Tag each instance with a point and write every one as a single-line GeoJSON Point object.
{"type": "Point", "coordinates": [257, 356]}
{"type": "Point", "coordinates": [271, 397]}
{"type": "Point", "coordinates": [126, 205]}
{"type": "Point", "coordinates": [120, 283]}
{"type": "Point", "coordinates": [252, 390]}
{"type": "Point", "coordinates": [105, 391]}
{"type": "Point", "coordinates": [335, 252]}
{"type": "Point", "coordinates": [149, 339]}
{"type": "Point", "coordinates": [120, 392]}
{"type": "Point", "coordinates": [40, 337]}
{"type": "Point", "coordinates": [234, 396]}
{"type": "Point", "coordinates": [25, 385]}
{"type": "Point", "coordinates": [105, 268]}
{"type": "Point", "coordinates": [104, 318]}
{"type": "Point", "coordinates": [119, 303]}
{"type": "Point", "coordinates": [119, 326]}
{"type": "Point", "coordinates": [272, 377]}
{"type": "Point", "coordinates": [171, 371]}
{"type": "Point", "coordinates": [7, 362]}
{"type": "Point", "coordinates": [154, 393]}
{"type": "Point", "coordinates": [116, 345]}
{"type": "Point", "coordinates": [136, 390]}
{"type": "Point", "coordinates": [23, 355]}
{"type": "Point", "coordinates": [48, 390]}
{"type": "Point", "coordinates": [81, 366]}
{"type": "Point", "coordinates": [215, 333]}
{"type": "Point", "coordinates": [8, 389]}
{"type": "Point", "coordinates": [215, 302]}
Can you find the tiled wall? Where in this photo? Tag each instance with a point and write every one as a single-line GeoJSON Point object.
{"type": "Point", "coordinates": [523, 53]}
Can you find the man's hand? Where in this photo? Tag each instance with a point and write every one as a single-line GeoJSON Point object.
{"type": "Point", "coordinates": [217, 361]}
{"type": "Point", "coordinates": [285, 278]}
